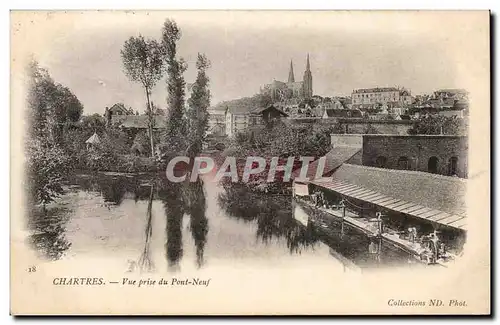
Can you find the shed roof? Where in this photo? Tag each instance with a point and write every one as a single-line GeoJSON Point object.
{"type": "Point", "coordinates": [436, 198]}
{"type": "Point", "coordinates": [94, 139]}
{"type": "Point", "coordinates": [333, 159]}
{"type": "Point", "coordinates": [141, 122]}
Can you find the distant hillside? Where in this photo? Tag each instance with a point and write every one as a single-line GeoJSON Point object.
{"type": "Point", "coordinates": [244, 105]}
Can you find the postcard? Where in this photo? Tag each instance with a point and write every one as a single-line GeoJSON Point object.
{"type": "Point", "coordinates": [250, 163]}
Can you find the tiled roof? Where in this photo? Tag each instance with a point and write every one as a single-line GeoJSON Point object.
{"type": "Point", "coordinates": [334, 158]}
{"type": "Point", "coordinates": [141, 122]}
{"type": "Point", "coordinates": [454, 90]}
{"type": "Point", "coordinates": [451, 113]}
{"type": "Point", "coordinates": [433, 197]}
{"type": "Point", "coordinates": [120, 107]}
{"type": "Point", "coordinates": [375, 90]}
{"type": "Point", "coordinates": [262, 109]}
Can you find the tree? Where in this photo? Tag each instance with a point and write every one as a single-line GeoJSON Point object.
{"type": "Point", "coordinates": [198, 105]}
{"type": "Point", "coordinates": [51, 105]}
{"type": "Point", "coordinates": [176, 128]}
{"type": "Point", "coordinates": [140, 143]}
{"type": "Point", "coordinates": [435, 124]}
{"type": "Point", "coordinates": [94, 122]}
{"type": "Point", "coordinates": [338, 128]}
{"type": "Point", "coordinates": [370, 129]}
{"type": "Point", "coordinates": [143, 62]}
{"type": "Point", "coordinates": [265, 100]}
{"type": "Point", "coordinates": [41, 89]}
{"type": "Point", "coordinates": [46, 167]}
{"type": "Point", "coordinates": [46, 163]}
{"type": "Point", "coordinates": [70, 107]}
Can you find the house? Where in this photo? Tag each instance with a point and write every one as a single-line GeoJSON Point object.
{"type": "Point", "coordinates": [266, 114]}
{"type": "Point", "coordinates": [236, 119]}
{"type": "Point", "coordinates": [370, 96]}
{"type": "Point", "coordinates": [216, 122]}
{"type": "Point", "coordinates": [459, 94]}
{"type": "Point", "coordinates": [120, 109]}
{"type": "Point", "coordinates": [461, 104]}
{"type": "Point", "coordinates": [239, 119]}
{"type": "Point", "coordinates": [116, 113]}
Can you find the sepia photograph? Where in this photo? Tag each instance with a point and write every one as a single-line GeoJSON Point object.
{"type": "Point", "coordinates": [250, 162]}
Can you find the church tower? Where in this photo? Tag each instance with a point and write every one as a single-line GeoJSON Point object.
{"type": "Point", "coordinates": [291, 77]}
{"type": "Point", "coordinates": [308, 80]}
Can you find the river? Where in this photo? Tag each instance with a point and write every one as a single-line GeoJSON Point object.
{"type": "Point", "coordinates": [145, 224]}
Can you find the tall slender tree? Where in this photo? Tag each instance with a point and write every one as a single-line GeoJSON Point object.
{"type": "Point", "coordinates": [198, 106]}
{"type": "Point", "coordinates": [143, 62]}
{"type": "Point", "coordinates": [42, 90]}
{"type": "Point", "coordinates": [176, 127]}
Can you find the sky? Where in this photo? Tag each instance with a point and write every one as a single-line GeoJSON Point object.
{"type": "Point", "coordinates": [348, 50]}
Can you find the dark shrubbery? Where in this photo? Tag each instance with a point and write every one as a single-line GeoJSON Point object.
{"type": "Point", "coordinates": [45, 171]}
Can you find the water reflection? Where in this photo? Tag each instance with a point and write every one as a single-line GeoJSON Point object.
{"type": "Point", "coordinates": [152, 227]}
{"type": "Point", "coordinates": [115, 188]}
{"type": "Point", "coordinates": [174, 206]}
{"type": "Point", "coordinates": [272, 213]}
{"type": "Point", "coordinates": [351, 246]}
{"type": "Point", "coordinates": [145, 260]}
{"type": "Point", "coordinates": [196, 208]}
{"type": "Point", "coordinates": [48, 228]}
{"type": "Point", "coordinates": [181, 199]}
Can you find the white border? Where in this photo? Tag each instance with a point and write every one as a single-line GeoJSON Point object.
{"type": "Point", "coordinates": [185, 4]}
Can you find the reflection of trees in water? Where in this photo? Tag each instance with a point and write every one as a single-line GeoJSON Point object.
{"type": "Point", "coordinates": [273, 214]}
{"type": "Point", "coordinates": [180, 198]}
{"type": "Point", "coordinates": [171, 196]}
{"type": "Point", "coordinates": [177, 199]}
{"type": "Point", "coordinates": [48, 229]}
{"type": "Point", "coordinates": [113, 188]}
{"type": "Point", "coordinates": [196, 207]}
{"type": "Point", "coordinates": [145, 261]}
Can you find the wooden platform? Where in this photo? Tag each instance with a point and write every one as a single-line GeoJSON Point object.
{"type": "Point", "coordinates": [370, 229]}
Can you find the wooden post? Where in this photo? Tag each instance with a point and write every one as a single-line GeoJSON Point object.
{"type": "Point", "coordinates": [379, 223]}
{"type": "Point", "coordinates": [343, 217]}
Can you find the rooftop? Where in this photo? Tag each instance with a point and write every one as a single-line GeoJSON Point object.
{"type": "Point", "coordinates": [141, 122]}
{"type": "Point", "coordinates": [263, 109]}
{"type": "Point", "coordinates": [416, 193]}
{"type": "Point", "coordinates": [401, 135]}
{"type": "Point", "coordinates": [375, 90]}
{"type": "Point", "coordinates": [334, 158]}
{"type": "Point", "coordinates": [452, 90]}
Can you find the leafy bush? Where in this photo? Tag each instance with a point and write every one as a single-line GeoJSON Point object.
{"type": "Point", "coordinates": [436, 124]}
{"type": "Point", "coordinates": [46, 168]}
{"type": "Point", "coordinates": [132, 163]}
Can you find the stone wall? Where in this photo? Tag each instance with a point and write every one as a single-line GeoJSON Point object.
{"type": "Point", "coordinates": [360, 126]}
{"type": "Point", "coordinates": [418, 150]}
{"type": "Point", "coordinates": [346, 140]}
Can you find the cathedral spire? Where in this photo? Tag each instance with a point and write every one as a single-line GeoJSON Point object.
{"type": "Point", "coordinates": [291, 77]}
{"type": "Point", "coordinates": [307, 85]}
